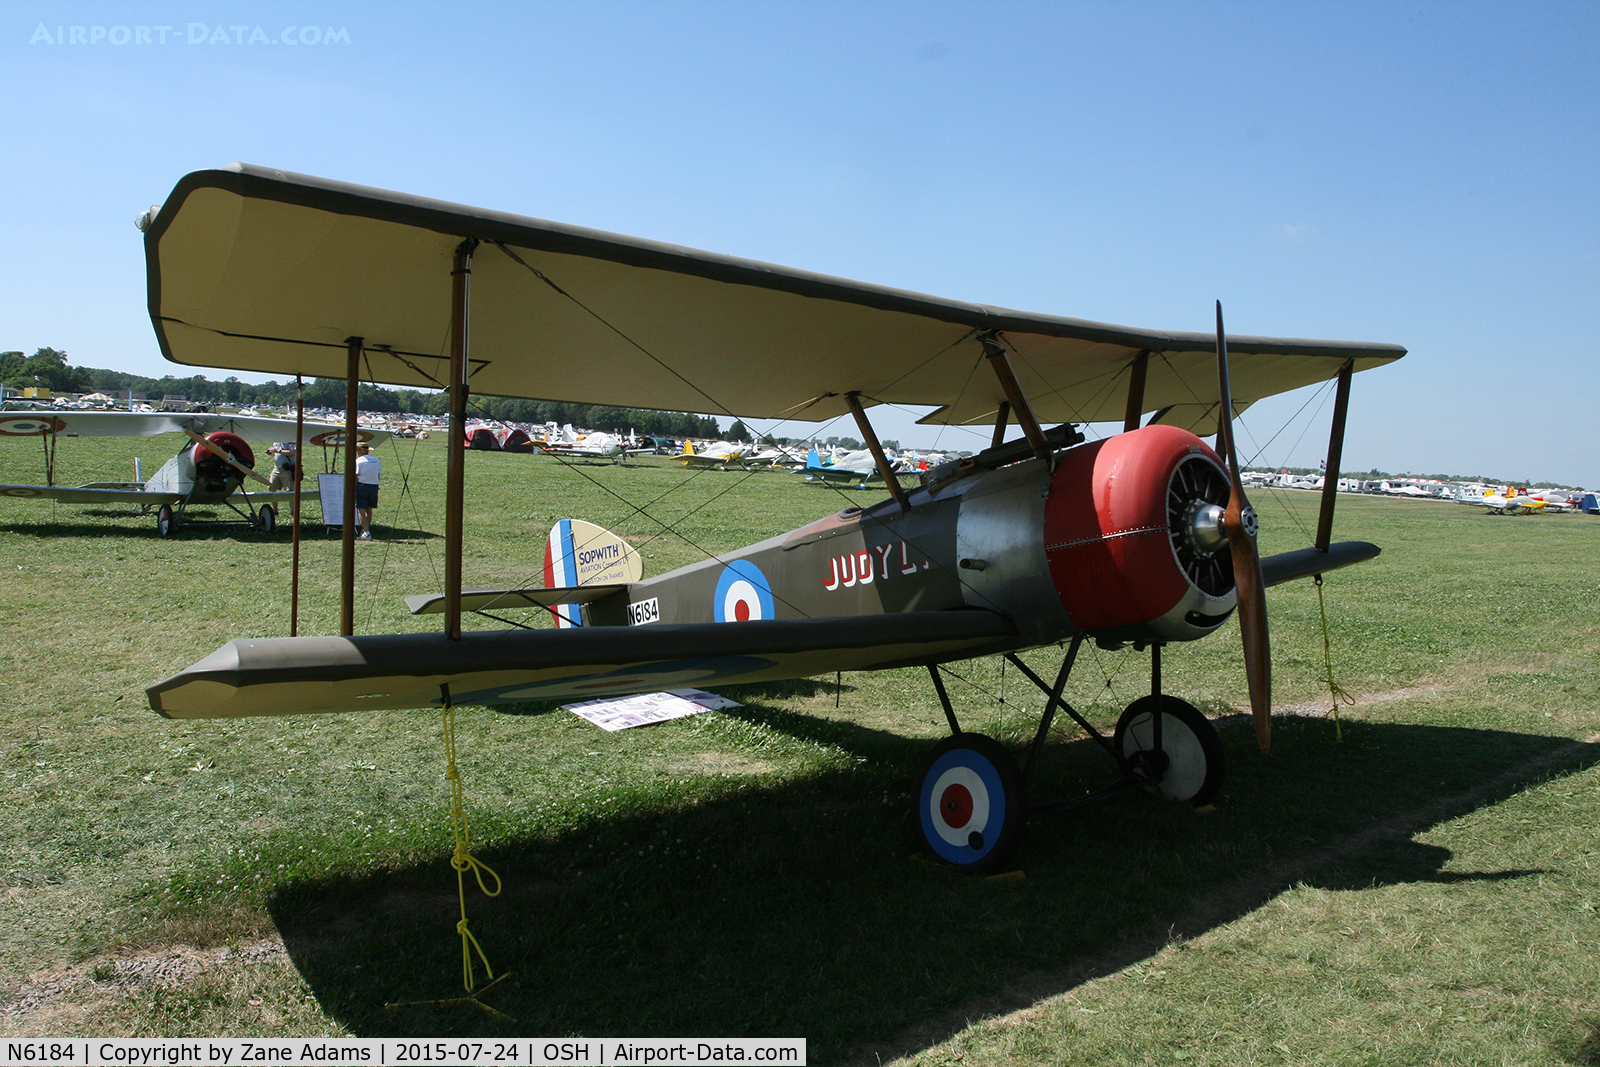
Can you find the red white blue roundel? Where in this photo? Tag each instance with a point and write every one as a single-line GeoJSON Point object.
{"type": "Point", "coordinates": [30, 425]}
{"type": "Point", "coordinates": [743, 594]}
{"type": "Point", "coordinates": [963, 807]}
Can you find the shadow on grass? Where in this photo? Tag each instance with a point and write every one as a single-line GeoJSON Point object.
{"type": "Point", "coordinates": [1588, 1053]}
{"type": "Point", "coordinates": [799, 908]}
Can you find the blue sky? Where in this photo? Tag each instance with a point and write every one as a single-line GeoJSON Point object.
{"type": "Point", "coordinates": [1423, 174]}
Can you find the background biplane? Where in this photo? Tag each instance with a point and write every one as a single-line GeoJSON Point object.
{"type": "Point", "coordinates": [209, 469]}
{"type": "Point", "coordinates": [1139, 539]}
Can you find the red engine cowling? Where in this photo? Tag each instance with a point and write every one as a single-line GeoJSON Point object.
{"type": "Point", "coordinates": [1134, 540]}
{"type": "Point", "coordinates": [209, 463]}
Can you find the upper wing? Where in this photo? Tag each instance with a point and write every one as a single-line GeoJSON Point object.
{"type": "Point", "coordinates": [290, 675]}
{"type": "Point", "coordinates": [263, 270]}
{"type": "Point", "coordinates": [258, 428]}
{"type": "Point", "coordinates": [92, 423]}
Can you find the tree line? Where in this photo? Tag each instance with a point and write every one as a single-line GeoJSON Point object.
{"type": "Point", "coordinates": [48, 368]}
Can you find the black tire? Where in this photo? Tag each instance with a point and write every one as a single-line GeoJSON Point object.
{"type": "Point", "coordinates": [975, 821]}
{"type": "Point", "coordinates": [166, 521]}
{"type": "Point", "coordinates": [1190, 766]}
{"type": "Point", "coordinates": [267, 518]}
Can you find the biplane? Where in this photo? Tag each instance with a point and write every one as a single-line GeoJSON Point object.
{"type": "Point", "coordinates": [210, 468]}
{"type": "Point", "coordinates": [1044, 538]}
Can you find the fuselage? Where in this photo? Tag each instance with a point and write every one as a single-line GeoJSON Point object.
{"type": "Point", "coordinates": [1083, 542]}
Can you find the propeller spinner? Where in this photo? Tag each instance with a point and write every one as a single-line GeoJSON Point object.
{"type": "Point", "coordinates": [1239, 523]}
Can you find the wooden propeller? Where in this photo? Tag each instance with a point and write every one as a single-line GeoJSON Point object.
{"type": "Point", "coordinates": [229, 460]}
{"type": "Point", "coordinates": [1239, 522]}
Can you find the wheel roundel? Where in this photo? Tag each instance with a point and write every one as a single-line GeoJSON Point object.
{"type": "Point", "coordinates": [1189, 766]}
{"type": "Point", "coordinates": [969, 805]}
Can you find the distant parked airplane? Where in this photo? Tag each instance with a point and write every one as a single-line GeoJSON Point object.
{"type": "Point", "coordinates": [210, 468]}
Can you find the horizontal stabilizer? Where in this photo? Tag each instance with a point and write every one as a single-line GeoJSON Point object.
{"type": "Point", "coordinates": [1304, 562]}
{"type": "Point", "coordinates": [288, 675]}
{"type": "Point", "coordinates": [508, 599]}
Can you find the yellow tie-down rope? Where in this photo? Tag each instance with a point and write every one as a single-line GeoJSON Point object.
{"type": "Point", "coordinates": [462, 860]}
{"type": "Point", "coordinates": [1334, 688]}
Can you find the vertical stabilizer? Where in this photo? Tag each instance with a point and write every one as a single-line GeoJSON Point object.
{"type": "Point", "coordinates": [581, 553]}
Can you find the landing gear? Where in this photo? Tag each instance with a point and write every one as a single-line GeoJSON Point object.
{"type": "Point", "coordinates": [1187, 765]}
{"type": "Point", "coordinates": [166, 521]}
{"type": "Point", "coordinates": [267, 518]}
{"type": "Point", "coordinates": [970, 797]}
{"type": "Point", "coordinates": [970, 803]}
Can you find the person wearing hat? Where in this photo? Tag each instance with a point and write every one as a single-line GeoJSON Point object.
{"type": "Point", "coordinates": [368, 468]}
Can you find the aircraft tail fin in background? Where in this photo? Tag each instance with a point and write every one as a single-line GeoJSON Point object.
{"type": "Point", "coordinates": [581, 553]}
{"type": "Point", "coordinates": [814, 458]}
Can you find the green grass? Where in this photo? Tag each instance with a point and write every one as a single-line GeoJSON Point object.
{"type": "Point", "coordinates": [1422, 891]}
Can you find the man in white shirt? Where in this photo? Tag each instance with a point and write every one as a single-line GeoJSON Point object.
{"type": "Point", "coordinates": [368, 467]}
{"type": "Point", "coordinates": [283, 460]}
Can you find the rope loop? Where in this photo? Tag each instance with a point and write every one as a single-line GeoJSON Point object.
{"type": "Point", "coordinates": [1337, 691]}
{"type": "Point", "coordinates": [462, 859]}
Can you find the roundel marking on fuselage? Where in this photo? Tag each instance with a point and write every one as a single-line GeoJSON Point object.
{"type": "Point", "coordinates": [743, 594]}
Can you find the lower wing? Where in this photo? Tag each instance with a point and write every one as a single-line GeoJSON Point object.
{"type": "Point", "coordinates": [91, 494]}
{"type": "Point", "coordinates": [288, 675]}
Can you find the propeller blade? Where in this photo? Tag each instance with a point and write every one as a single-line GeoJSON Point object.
{"type": "Point", "coordinates": [1239, 522]}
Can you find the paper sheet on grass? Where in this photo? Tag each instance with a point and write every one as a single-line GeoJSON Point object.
{"type": "Point", "coordinates": [622, 713]}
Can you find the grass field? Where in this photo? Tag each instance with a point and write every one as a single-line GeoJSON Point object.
{"type": "Point", "coordinates": [1422, 891]}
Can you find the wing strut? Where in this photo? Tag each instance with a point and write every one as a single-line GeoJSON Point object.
{"type": "Point", "coordinates": [1137, 372]}
{"type": "Point", "coordinates": [456, 472]}
{"type": "Point", "coordinates": [1330, 476]}
{"type": "Point", "coordinates": [299, 475]}
{"type": "Point", "coordinates": [347, 557]}
{"type": "Point", "coordinates": [1001, 418]}
{"type": "Point", "coordinates": [995, 353]}
{"type": "Point", "coordinates": [885, 471]}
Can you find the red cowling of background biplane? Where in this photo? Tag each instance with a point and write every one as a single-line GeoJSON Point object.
{"type": "Point", "coordinates": [1140, 539]}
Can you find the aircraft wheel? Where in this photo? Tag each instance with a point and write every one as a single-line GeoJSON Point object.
{"type": "Point", "coordinates": [267, 518]}
{"type": "Point", "coordinates": [970, 803]}
{"type": "Point", "coordinates": [1190, 765]}
{"type": "Point", "coordinates": [166, 521]}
